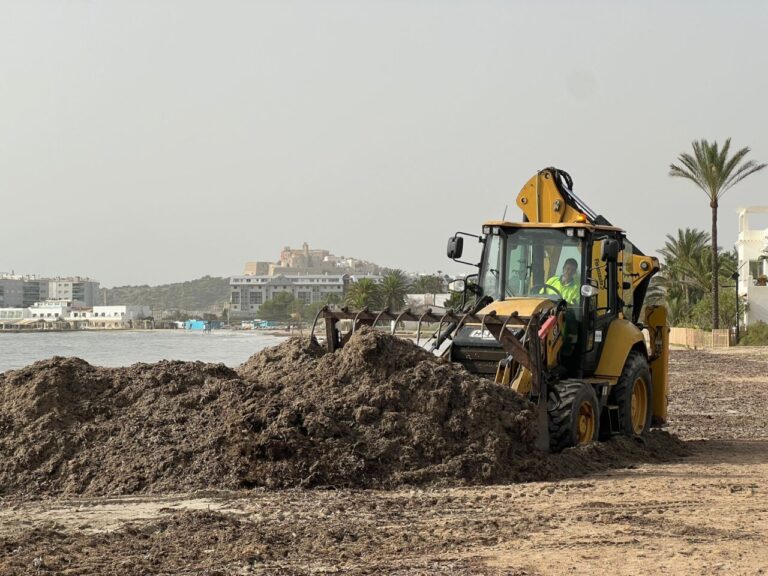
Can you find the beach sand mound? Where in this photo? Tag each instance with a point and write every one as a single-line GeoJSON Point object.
{"type": "Point", "coordinates": [67, 427]}
{"type": "Point", "coordinates": [379, 413]}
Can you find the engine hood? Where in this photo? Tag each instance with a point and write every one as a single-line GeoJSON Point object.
{"type": "Point", "coordinates": [525, 306]}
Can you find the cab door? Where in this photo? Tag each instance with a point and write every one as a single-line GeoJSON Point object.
{"type": "Point", "coordinates": [601, 309]}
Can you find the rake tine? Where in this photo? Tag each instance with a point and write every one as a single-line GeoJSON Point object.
{"type": "Point", "coordinates": [397, 320]}
{"type": "Point", "coordinates": [463, 319]}
{"type": "Point", "coordinates": [354, 322]}
{"type": "Point", "coordinates": [385, 311]}
{"type": "Point", "coordinates": [314, 323]}
{"type": "Point", "coordinates": [418, 327]}
{"type": "Point", "coordinates": [504, 326]}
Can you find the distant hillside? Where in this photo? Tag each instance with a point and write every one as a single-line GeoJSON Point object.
{"type": "Point", "coordinates": [204, 294]}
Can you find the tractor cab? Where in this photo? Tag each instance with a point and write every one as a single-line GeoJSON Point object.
{"type": "Point", "coordinates": [527, 267]}
{"type": "Point", "coordinates": [532, 262]}
{"type": "Point", "coordinates": [528, 263]}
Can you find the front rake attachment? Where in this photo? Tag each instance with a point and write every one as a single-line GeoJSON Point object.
{"type": "Point", "coordinates": [500, 327]}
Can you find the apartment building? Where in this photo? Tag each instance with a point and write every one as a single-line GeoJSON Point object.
{"type": "Point", "coordinates": [249, 292]}
{"type": "Point", "coordinates": [10, 292]}
{"type": "Point", "coordinates": [18, 291]}
{"type": "Point", "coordinates": [76, 289]}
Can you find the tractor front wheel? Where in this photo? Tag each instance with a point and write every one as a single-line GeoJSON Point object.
{"type": "Point", "coordinates": [574, 416]}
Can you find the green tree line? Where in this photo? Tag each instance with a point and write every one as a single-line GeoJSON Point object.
{"type": "Point", "coordinates": [684, 283]}
{"type": "Point", "coordinates": [206, 293]}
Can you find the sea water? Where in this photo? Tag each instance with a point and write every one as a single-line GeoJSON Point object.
{"type": "Point", "coordinates": [123, 348]}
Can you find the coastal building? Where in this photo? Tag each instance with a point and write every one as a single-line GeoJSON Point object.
{"type": "Point", "coordinates": [10, 292]}
{"type": "Point", "coordinates": [22, 291]}
{"type": "Point", "coordinates": [71, 315]}
{"type": "Point", "coordinates": [752, 250]}
{"type": "Point", "coordinates": [51, 310]}
{"type": "Point", "coordinates": [12, 315]}
{"type": "Point", "coordinates": [112, 317]}
{"type": "Point", "coordinates": [249, 292]}
{"type": "Point", "coordinates": [76, 289]}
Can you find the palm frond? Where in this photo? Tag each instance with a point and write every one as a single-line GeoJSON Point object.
{"type": "Point", "coordinates": [711, 169]}
{"type": "Point", "coordinates": [745, 170]}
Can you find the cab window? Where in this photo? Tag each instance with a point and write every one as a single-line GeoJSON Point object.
{"type": "Point", "coordinates": [525, 261]}
{"type": "Point", "coordinates": [490, 275]}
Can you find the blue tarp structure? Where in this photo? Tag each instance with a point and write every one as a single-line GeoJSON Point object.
{"type": "Point", "coordinates": [202, 325]}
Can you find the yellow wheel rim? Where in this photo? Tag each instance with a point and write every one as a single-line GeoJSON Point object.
{"type": "Point", "coordinates": [586, 423]}
{"type": "Point", "coordinates": [639, 406]}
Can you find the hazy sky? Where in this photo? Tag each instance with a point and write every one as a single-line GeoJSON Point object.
{"type": "Point", "coordinates": [158, 141]}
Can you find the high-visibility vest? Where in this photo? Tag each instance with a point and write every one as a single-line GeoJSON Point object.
{"type": "Point", "coordinates": [569, 292]}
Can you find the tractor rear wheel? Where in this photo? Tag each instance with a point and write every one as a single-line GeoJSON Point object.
{"type": "Point", "coordinates": [633, 394]}
{"type": "Point", "coordinates": [574, 415]}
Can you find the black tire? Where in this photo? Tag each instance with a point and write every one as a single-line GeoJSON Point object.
{"type": "Point", "coordinates": [568, 405]}
{"type": "Point", "coordinates": [635, 368]}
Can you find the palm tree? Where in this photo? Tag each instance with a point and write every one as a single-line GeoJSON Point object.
{"type": "Point", "coordinates": [394, 286]}
{"type": "Point", "coordinates": [332, 299]}
{"type": "Point", "coordinates": [684, 284]}
{"type": "Point", "coordinates": [454, 301]}
{"type": "Point", "coordinates": [681, 275]}
{"type": "Point", "coordinates": [429, 285]}
{"type": "Point", "coordinates": [363, 293]}
{"type": "Point", "coordinates": [715, 173]}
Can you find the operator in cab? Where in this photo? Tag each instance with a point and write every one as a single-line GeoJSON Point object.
{"type": "Point", "coordinates": [567, 284]}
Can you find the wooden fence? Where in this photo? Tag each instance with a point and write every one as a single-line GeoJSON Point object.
{"type": "Point", "coordinates": [695, 338]}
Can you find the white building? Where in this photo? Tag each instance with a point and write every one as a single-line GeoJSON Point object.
{"type": "Point", "coordinates": [249, 292]}
{"type": "Point", "coordinates": [77, 316]}
{"type": "Point", "coordinates": [115, 316]}
{"type": "Point", "coordinates": [51, 310]}
{"type": "Point", "coordinates": [752, 249]}
{"type": "Point", "coordinates": [13, 315]}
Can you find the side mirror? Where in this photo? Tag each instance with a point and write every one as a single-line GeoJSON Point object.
{"type": "Point", "coordinates": [610, 251]}
{"type": "Point", "coordinates": [588, 291]}
{"type": "Point", "coordinates": [455, 247]}
{"type": "Point", "coordinates": [457, 285]}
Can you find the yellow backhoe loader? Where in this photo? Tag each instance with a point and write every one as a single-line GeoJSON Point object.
{"type": "Point", "coordinates": [554, 312]}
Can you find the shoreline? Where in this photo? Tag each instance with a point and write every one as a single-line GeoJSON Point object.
{"type": "Point", "coordinates": [275, 333]}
